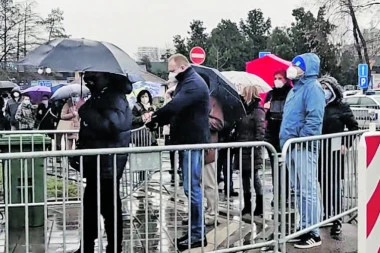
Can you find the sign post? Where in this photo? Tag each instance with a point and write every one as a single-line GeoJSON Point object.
{"type": "Point", "coordinates": [363, 76]}
{"type": "Point", "coordinates": [197, 55]}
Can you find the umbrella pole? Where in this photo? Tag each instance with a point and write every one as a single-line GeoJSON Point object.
{"type": "Point", "coordinates": [81, 84]}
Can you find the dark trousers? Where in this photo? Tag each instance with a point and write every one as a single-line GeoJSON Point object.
{"type": "Point", "coordinates": [330, 178]}
{"type": "Point", "coordinates": [90, 218]}
{"type": "Point", "coordinates": [247, 178]}
{"type": "Point", "coordinates": [223, 166]}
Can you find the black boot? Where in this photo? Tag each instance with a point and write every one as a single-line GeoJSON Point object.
{"type": "Point", "coordinates": [259, 205]}
{"type": "Point", "coordinates": [247, 204]}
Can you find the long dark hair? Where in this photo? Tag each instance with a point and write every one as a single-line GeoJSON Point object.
{"type": "Point", "coordinates": [143, 92]}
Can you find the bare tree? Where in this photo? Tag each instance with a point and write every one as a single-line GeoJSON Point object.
{"type": "Point", "coordinates": [31, 30]}
{"type": "Point", "coordinates": [54, 25]}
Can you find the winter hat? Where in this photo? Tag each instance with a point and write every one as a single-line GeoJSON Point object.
{"type": "Point", "coordinates": [299, 62]}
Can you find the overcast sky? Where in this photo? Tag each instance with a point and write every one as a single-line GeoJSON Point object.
{"type": "Point", "coordinates": [133, 23]}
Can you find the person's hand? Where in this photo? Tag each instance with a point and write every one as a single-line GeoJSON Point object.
{"type": "Point", "coordinates": [75, 113]}
{"type": "Point", "coordinates": [343, 150]}
{"type": "Point", "coordinates": [146, 117]}
{"type": "Point", "coordinates": [267, 105]}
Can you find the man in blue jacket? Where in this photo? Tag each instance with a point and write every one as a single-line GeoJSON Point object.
{"type": "Point", "coordinates": [303, 117]}
{"type": "Point", "coordinates": [188, 116]}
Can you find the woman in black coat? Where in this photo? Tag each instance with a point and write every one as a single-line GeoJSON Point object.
{"type": "Point", "coordinates": [338, 116]}
{"type": "Point", "coordinates": [142, 109]}
{"type": "Point", "coordinates": [251, 128]}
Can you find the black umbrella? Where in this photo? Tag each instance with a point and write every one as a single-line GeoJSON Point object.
{"type": "Point", "coordinates": [81, 55]}
{"type": "Point", "coordinates": [225, 92]}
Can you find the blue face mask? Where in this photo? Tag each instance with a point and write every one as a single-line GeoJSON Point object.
{"type": "Point", "coordinates": [328, 95]}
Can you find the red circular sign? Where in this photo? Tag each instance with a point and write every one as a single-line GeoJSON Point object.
{"type": "Point", "coordinates": [197, 55]}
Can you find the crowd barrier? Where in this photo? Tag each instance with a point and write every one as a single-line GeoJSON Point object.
{"type": "Point", "coordinates": [319, 182]}
{"type": "Point", "coordinates": [155, 203]}
{"type": "Point", "coordinates": [157, 207]}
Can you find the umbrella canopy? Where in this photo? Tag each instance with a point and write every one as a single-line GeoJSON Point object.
{"type": "Point", "coordinates": [266, 66]}
{"type": "Point", "coordinates": [153, 88]}
{"type": "Point", "coordinates": [72, 55]}
{"type": "Point", "coordinates": [66, 91]}
{"type": "Point", "coordinates": [225, 92]}
{"type": "Point", "coordinates": [7, 85]}
{"type": "Point", "coordinates": [242, 79]}
{"type": "Point", "coordinates": [36, 93]}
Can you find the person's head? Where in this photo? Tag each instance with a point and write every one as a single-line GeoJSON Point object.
{"type": "Point", "coordinates": [96, 81]}
{"type": "Point", "coordinates": [4, 95]}
{"type": "Point", "coordinates": [305, 65]}
{"type": "Point", "coordinates": [333, 91]}
{"type": "Point", "coordinates": [75, 97]}
{"type": "Point", "coordinates": [16, 94]}
{"type": "Point", "coordinates": [45, 100]}
{"type": "Point", "coordinates": [26, 99]}
{"type": "Point", "coordinates": [144, 97]}
{"type": "Point", "coordinates": [280, 78]}
{"type": "Point", "coordinates": [178, 63]}
{"type": "Point", "coordinates": [250, 94]}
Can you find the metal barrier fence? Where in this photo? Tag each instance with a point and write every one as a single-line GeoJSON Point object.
{"type": "Point", "coordinates": [157, 217]}
{"type": "Point", "coordinates": [318, 183]}
{"type": "Point", "coordinates": [365, 116]}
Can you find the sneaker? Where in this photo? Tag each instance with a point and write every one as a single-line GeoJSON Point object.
{"type": "Point", "coordinates": [336, 228]}
{"type": "Point", "coordinates": [297, 239]}
{"type": "Point", "coordinates": [308, 241]}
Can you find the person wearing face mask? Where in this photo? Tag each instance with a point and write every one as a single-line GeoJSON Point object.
{"type": "Point", "coordinates": [25, 115]}
{"type": "Point", "coordinates": [42, 109]}
{"type": "Point", "coordinates": [337, 117]}
{"type": "Point", "coordinates": [274, 103]}
{"type": "Point", "coordinates": [70, 119]}
{"type": "Point", "coordinates": [303, 117]}
{"type": "Point", "coordinates": [143, 109]}
{"type": "Point", "coordinates": [11, 108]}
{"type": "Point", "coordinates": [106, 122]}
{"type": "Point", "coordinates": [188, 116]}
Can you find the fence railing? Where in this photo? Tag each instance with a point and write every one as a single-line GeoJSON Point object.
{"type": "Point", "coordinates": [365, 116]}
{"type": "Point", "coordinates": [318, 182]}
{"type": "Point", "coordinates": [38, 202]}
{"type": "Point", "coordinates": [26, 200]}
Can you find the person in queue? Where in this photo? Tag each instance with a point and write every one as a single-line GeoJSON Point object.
{"type": "Point", "coordinates": [188, 115]}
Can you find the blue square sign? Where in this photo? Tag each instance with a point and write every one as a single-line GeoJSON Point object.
{"type": "Point", "coordinates": [363, 82]}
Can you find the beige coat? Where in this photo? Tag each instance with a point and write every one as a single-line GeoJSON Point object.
{"type": "Point", "coordinates": [70, 118]}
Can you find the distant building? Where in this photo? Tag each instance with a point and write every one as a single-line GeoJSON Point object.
{"type": "Point", "coordinates": [151, 52]}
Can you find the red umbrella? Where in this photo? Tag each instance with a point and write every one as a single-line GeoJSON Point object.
{"type": "Point", "coordinates": [266, 66]}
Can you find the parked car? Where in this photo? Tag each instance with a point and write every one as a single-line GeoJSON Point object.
{"type": "Point", "coordinates": [366, 109]}
{"type": "Point", "coordinates": [351, 93]}
{"type": "Point", "coordinates": [363, 101]}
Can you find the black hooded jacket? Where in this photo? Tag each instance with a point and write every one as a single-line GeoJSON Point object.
{"type": "Point", "coordinates": [338, 115]}
{"type": "Point", "coordinates": [11, 108]}
{"type": "Point", "coordinates": [106, 121]}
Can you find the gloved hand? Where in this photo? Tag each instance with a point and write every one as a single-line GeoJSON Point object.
{"type": "Point", "coordinates": [151, 125]}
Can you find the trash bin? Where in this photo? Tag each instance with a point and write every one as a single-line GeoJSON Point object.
{"type": "Point", "coordinates": [17, 169]}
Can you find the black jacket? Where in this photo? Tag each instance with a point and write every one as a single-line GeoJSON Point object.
{"type": "Point", "coordinates": [11, 109]}
{"type": "Point", "coordinates": [277, 97]}
{"type": "Point", "coordinates": [251, 128]}
{"type": "Point", "coordinates": [106, 121]}
{"type": "Point", "coordinates": [188, 111]}
{"type": "Point", "coordinates": [337, 117]}
{"type": "Point", "coordinates": [138, 111]}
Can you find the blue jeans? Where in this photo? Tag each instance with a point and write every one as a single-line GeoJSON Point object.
{"type": "Point", "coordinates": [303, 176]}
{"type": "Point", "coordinates": [194, 172]}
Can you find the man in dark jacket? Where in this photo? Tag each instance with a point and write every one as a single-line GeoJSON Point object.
{"type": "Point", "coordinates": [106, 122]}
{"type": "Point", "coordinates": [188, 115]}
{"type": "Point", "coordinates": [11, 109]}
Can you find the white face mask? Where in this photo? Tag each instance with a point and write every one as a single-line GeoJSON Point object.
{"type": "Point", "coordinates": [291, 73]}
{"type": "Point", "coordinates": [75, 99]}
{"type": "Point", "coordinates": [145, 100]}
{"type": "Point", "coordinates": [26, 102]}
{"type": "Point", "coordinates": [278, 83]}
{"type": "Point", "coordinates": [45, 102]}
{"type": "Point", "coordinates": [16, 95]}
